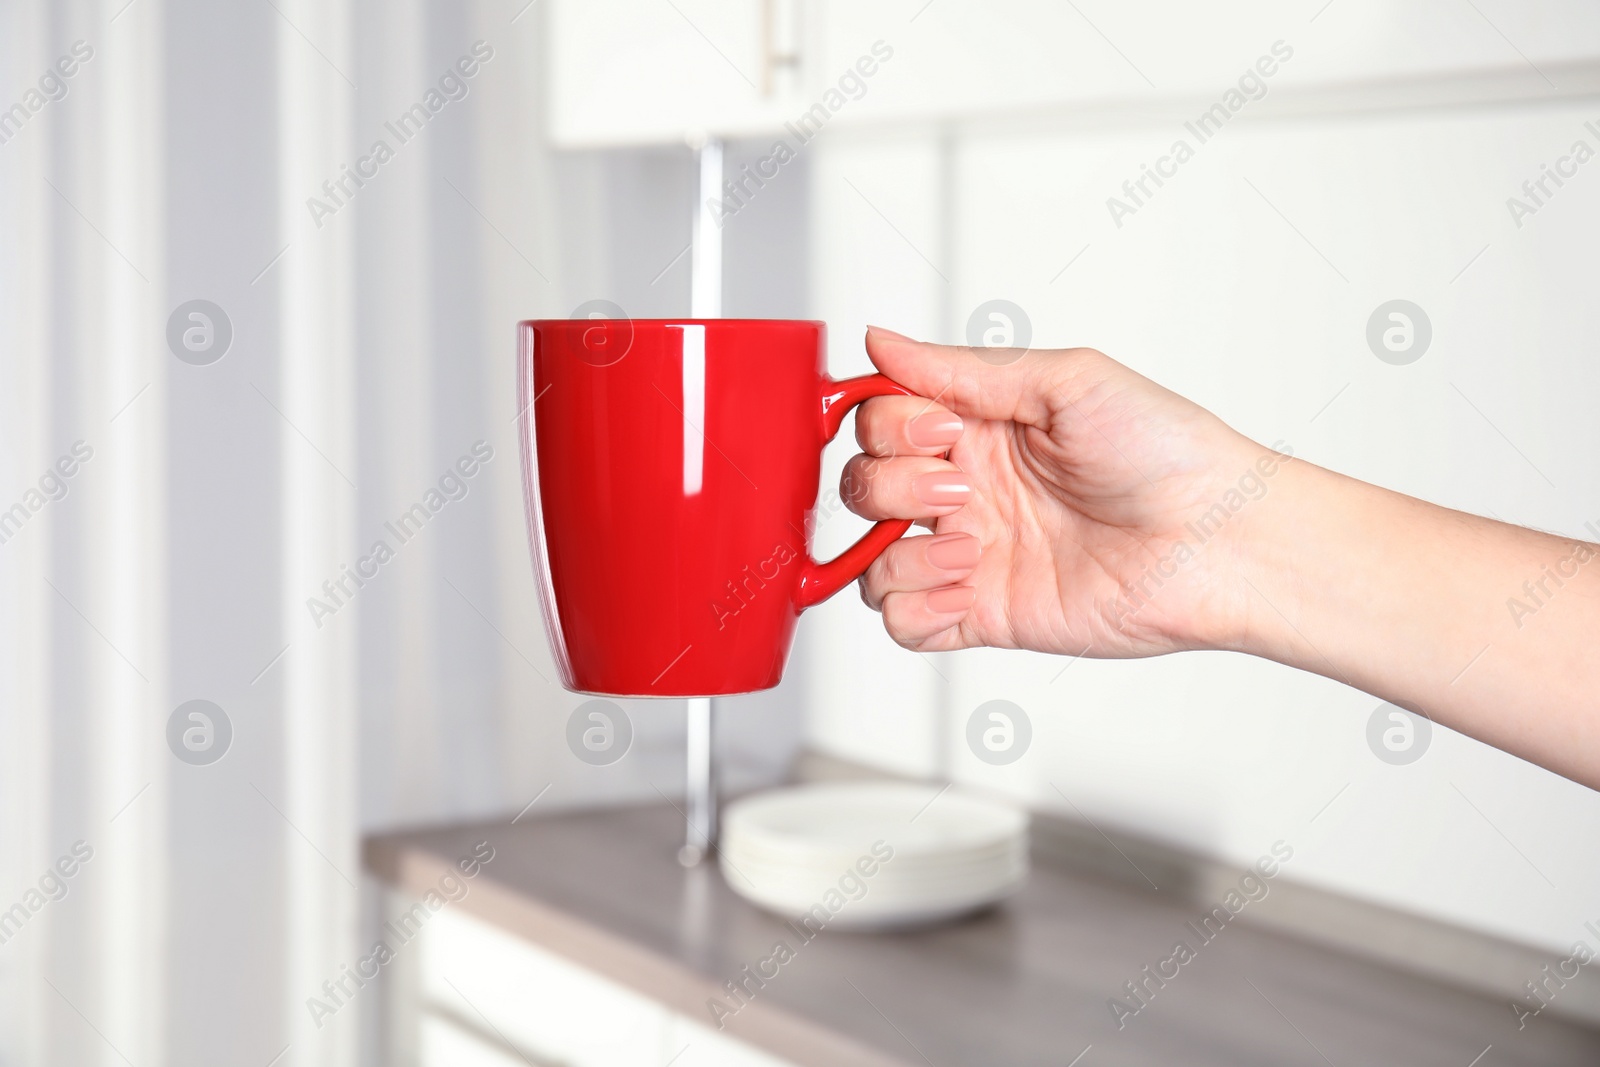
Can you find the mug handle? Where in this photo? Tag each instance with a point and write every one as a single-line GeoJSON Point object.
{"type": "Point", "coordinates": [819, 581]}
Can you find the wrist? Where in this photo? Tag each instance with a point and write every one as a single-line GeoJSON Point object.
{"type": "Point", "coordinates": [1257, 537]}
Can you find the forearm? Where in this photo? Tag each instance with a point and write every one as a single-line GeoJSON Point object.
{"type": "Point", "coordinates": [1490, 629]}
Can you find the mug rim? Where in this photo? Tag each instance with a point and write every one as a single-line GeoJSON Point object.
{"type": "Point", "coordinates": [685, 321]}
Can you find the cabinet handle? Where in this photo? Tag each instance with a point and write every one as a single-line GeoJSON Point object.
{"type": "Point", "coordinates": [777, 54]}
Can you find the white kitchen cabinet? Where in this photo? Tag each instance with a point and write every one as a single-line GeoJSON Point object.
{"type": "Point", "coordinates": [695, 1045]}
{"type": "Point", "coordinates": [476, 996]}
{"type": "Point", "coordinates": [961, 58]}
{"type": "Point", "coordinates": [642, 71]}
{"type": "Point", "coordinates": [445, 1042]}
{"type": "Point", "coordinates": [533, 1000]}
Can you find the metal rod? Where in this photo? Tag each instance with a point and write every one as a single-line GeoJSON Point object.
{"type": "Point", "coordinates": [705, 250]}
{"type": "Point", "coordinates": [705, 302]}
{"type": "Point", "coordinates": [701, 837]}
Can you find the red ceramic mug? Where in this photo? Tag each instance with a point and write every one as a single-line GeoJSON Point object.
{"type": "Point", "coordinates": [670, 472]}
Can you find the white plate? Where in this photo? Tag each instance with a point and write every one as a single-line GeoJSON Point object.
{"type": "Point", "coordinates": [758, 851]}
{"type": "Point", "coordinates": [881, 872]}
{"type": "Point", "coordinates": [953, 852]}
{"type": "Point", "coordinates": [901, 917]}
{"type": "Point", "coordinates": [833, 818]}
{"type": "Point", "coordinates": [880, 905]}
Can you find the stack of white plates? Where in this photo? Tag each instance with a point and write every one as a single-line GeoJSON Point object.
{"type": "Point", "coordinates": [873, 854]}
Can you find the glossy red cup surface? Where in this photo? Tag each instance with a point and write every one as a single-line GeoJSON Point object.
{"type": "Point", "coordinates": [670, 472]}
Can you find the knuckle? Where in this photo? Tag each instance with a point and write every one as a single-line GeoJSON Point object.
{"type": "Point", "coordinates": [890, 570]}
{"type": "Point", "coordinates": [880, 426]}
{"type": "Point", "coordinates": [853, 484]}
{"type": "Point", "coordinates": [850, 487]}
{"type": "Point", "coordinates": [897, 621]}
{"type": "Point", "coordinates": [869, 417]}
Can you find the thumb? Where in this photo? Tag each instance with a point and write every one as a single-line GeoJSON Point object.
{"type": "Point", "coordinates": [1008, 389]}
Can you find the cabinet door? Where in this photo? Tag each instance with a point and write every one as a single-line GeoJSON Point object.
{"type": "Point", "coordinates": [693, 1045]}
{"type": "Point", "coordinates": [476, 996]}
{"type": "Point", "coordinates": [516, 994]}
{"type": "Point", "coordinates": [447, 1043]}
{"type": "Point", "coordinates": [641, 71]}
{"type": "Point", "coordinates": [958, 58]}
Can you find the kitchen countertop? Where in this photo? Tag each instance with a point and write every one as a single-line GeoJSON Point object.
{"type": "Point", "coordinates": [1028, 982]}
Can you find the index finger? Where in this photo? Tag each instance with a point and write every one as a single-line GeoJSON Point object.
{"type": "Point", "coordinates": [906, 426]}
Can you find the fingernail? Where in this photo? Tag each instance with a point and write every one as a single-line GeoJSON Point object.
{"type": "Point", "coordinates": [934, 429]}
{"type": "Point", "coordinates": [954, 552]}
{"type": "Point", "coordinates": [952, 599]}
{"type": "Point", "coordinates": [890, 334]}
{"type": "Point", "coordinates": [942, 488]}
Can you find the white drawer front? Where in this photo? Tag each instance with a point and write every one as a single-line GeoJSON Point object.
{"type": "Point", "coordinates": [534, 1000]}
{"type": "Point", "coordinates": [695, 1045]}
{"type": "Point", "coordinates": [446, 1043]}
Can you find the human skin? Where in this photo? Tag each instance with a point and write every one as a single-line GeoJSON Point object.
{"type": "Point", "coordinates": [1085, 510]}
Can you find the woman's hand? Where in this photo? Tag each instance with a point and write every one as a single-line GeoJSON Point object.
{"type": "Point", "coordinates": [1086, 510]}
{"type": "Point", "coordinates": [1077, 512]}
